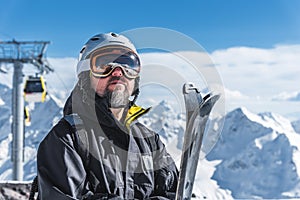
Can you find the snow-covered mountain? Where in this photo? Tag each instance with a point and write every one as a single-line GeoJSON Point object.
{"type": "Point", "coordinates": [296, 126]}
{"type": "Point", "coordinates": [257, 156]}
{"type": "Point", "coordinates": [166, 122]}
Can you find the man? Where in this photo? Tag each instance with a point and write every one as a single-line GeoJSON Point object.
{"type": "Point", "coordinates": [109, 155]}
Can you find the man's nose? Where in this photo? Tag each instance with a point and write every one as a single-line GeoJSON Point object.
{"type": "Point", "coordinates": [117, 72]}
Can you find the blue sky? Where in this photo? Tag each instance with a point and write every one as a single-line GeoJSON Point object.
{"type": "Point", "coordinates": [255, 44]}
{"type": "Point", "coordinates": [213, 24]}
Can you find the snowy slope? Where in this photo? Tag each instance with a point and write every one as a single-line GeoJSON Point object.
{"type": "Point", "coordinates": [204, 186]}
{"type": "Point", "coordinates": [259, 156]}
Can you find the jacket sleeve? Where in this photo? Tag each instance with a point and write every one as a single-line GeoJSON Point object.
{"type": "Point", "coordinates": [166, 173]}
{"type": "Point", "coordinates": [61, 174]}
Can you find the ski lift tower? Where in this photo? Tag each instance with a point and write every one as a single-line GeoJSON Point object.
{"type": "Point", "coordinates": [18, 53]}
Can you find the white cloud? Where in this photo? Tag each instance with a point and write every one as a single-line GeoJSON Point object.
{"type": "Point", "coordinates": [235, 95]}
{"type": "Point", "coordinates": [287, 96]}
{"type": "Point", "coordinates": [262, 72]}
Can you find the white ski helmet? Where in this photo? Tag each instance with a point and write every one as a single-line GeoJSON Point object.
{"type": "Point", "coordinates": [99, 41]}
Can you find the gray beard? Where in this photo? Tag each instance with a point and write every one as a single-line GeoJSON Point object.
{"type": "Point", "coordinates": [119, 99]}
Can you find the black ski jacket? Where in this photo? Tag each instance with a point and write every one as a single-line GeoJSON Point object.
{"type": "Point", "coordinates": [125, 160]}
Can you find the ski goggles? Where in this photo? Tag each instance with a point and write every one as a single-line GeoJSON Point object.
{"type": "Point", "coordinates": [103, 62]}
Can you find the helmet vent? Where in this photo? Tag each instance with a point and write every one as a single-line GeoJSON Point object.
{"type": "Point", "coordinates": [94, 38]}
{"type": "Point", "coordinates": [82, 49]}
{"type": "Point", "coordinates": [114, 34]}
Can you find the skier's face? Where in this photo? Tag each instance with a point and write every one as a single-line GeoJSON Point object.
{"type": "Point", "coordinates": [116, 81]}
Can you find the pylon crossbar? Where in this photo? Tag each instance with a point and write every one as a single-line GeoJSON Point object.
{"type": "Point", "coordinates": [31, 52]}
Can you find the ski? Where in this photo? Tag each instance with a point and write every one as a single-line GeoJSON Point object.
{"type": "Point", "coordinates": [198, 109]}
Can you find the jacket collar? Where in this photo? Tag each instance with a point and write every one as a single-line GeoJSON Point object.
{"type": "Point", "coordinates": [95, 105]}
{"type": "Point", "coordinates": [133, 113]}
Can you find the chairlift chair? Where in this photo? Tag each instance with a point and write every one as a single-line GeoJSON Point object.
{"type": "Point", "coordinates": [35, 89]}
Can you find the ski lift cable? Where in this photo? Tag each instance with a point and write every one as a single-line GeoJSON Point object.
{"type": "Point", "coordinates": [62, 81]}
{"type": "Point", "coordinates": [57, 75]}
{"type": "Point", "coordinates": [51, 88]}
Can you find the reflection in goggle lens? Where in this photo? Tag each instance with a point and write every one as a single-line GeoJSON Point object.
{"type": "Point", "coordinates": [102, 64]}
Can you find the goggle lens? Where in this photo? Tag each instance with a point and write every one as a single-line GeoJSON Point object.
{"type": "Point", "coordinates": [103, 62]}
